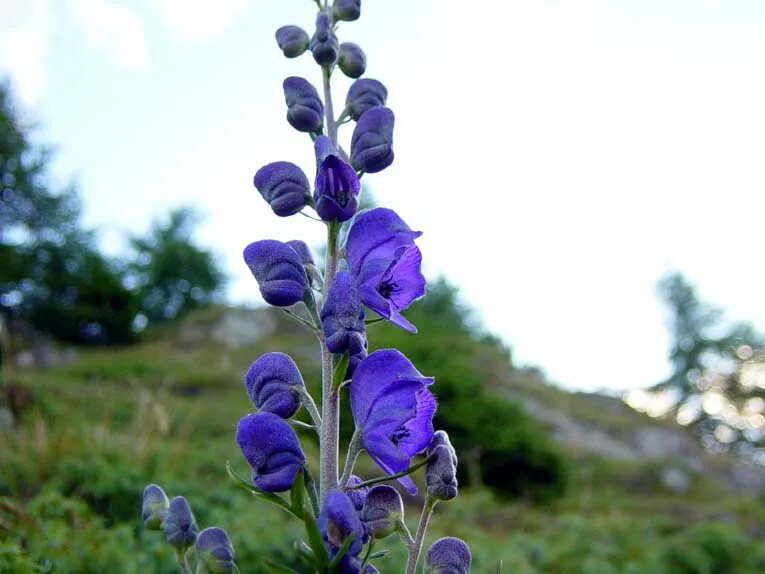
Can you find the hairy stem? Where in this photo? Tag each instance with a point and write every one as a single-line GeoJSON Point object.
{"type": "Point", "coordinates": [354, 450]}
{"type": "Point", "coordinates": [414, 549]}
{"type": "Point", "coordinates": [310, 406]}
{"type": "Point", "coordinates": [329, 111]}
{"type": "Point", "coordinates": [183, 563]}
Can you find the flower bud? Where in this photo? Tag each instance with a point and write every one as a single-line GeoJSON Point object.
{"type": "Point", "coordinates": [357, 496]}
{"type": "Point", "coordinates": [337, 187]}
{"type": "Point", "coordinates": [272, 450]}
{"type": "Point", "coordinates": [292, 40]}
{"type": "Point", "coordinates": [305, 111]}
{"type": "Point", "coordinates": [352, 60]}
{"type": "Point", "coordinates": [214, 552]}
{"type": "Point", "coordinates": [324, 44]}
{"type": "Point", "coordinates": [372, 140]}
{"type": "Point", "coordinates": [441, 474]}
{"type": "Point", "coordinates": [278, 271]}
{"type": "Point", "coordinates": [342, 317]}
{"type": "Point", "coordinates": [337, 521]}
{"type": "Point", "coordinates": [273, 382]}
{"type": "Point", "coordinates": [448, 556]}
{"type": "Point", "coordinates": [154, 507]}
{"type": "Point", "coordinates": [180, 527]}
{"type": "Point", "coordinates": [383, 508]}
{"type": "Point", "coordinates": [347, 10]}
{"type": "Point", "coordinates": [363, 95]}
{"type": "Point", "coordinates": [284, 186]}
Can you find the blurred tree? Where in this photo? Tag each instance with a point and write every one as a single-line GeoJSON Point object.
{"type": "Point", "coordinates": [717, 383]}
{"type": "Point", "coordinates": [172, 274]}
{"type": "Point", "coordinates": [51, 274]}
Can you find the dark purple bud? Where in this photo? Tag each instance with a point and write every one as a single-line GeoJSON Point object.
{"type": "Point", "coordinates": [441, 473]}
{"type": "Point", "coordinates": [337, 187]}
{"type": "Point", "coordinates": [214, 551]}
{"type": "Point", "coordinates": [154, 505]}
{"type": "Point", "coordinates": [272, 450]}
{"type": "Point", "coordinates": [383, 509]}
{"type": "Point", "coordinates": [273, 382]}
{"type": "Point", "coordinates": [180, 527]}
{"type": "Point", "coordinates": [284, 186]}
{"type": "Point", "coordinates": [347, 10]}
{"type": "Point", "coordinates": [386, 263]}
{"type": "Point", "coordinates": [393, 409]}
{"type": "Point", "coordinates": [305, 111]}
{"type": "Point", "coordinates": [278, 270]}
{"type": "Point", "coordinates": [337, 521]}
{"type": "Point", "coordinates": [292, 40]}
{"type": "Point", "coordinates": [372, 140]}
{"type": "Point", "coordinates": [324, 44]}
{"type": "Point", "coordinates": [352, 60]}
{"type": "Point", "coordinates": [448, 556]}
{"type": "Point", "coordinates": [363, 95]}
{"type": "Point", "coordinates": [342, 317]}
{"type": "Point", "coordinates": [356, 495]}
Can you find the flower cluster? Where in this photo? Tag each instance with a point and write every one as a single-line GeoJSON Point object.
{"type": "Point", "coordinates": [372, 266]}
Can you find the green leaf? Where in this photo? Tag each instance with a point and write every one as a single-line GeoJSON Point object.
{"type": "Point", "coordinates": [314, 539]}
{"type": "Point", "coordinates": [379, 554]}
{"type": "Point", "coordinates": [340, 367]}
{"type": "Point", "coordinates": [297, 494]}
{"type": "Point", "coordinates": [280, 568]}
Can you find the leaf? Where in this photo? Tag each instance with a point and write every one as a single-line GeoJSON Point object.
{"type": "Point", "coordinates": [260, 494]}
{"type": "Point", "coordinates": [297, 494]}
{"type": "Point", "coordinates": [314, 539]}
{"type": "Point", "coordinates": [280, 568]}
{"type": "Point", "coordinates": [341, 552]}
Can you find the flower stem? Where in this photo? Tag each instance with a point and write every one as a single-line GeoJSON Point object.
{"type": "Point", "coordinates": [183, 563]}
{"type": "Point", "coordinates": [329, 112]}
{"type": "Point", "coordinates": [354, 449]}
{"type": "Point", "coordinates": [310, 406]}
{"type": "Point", "coordinates": [414, 549]}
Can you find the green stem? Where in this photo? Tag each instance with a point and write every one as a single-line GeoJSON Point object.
{"type": "Point", "coordinates": [311, 407]}
{"type": "Point", "coordinates": [183, 563]}
{"type": "Point", "coordinates": [414, 550]}
{"type": "Point", "coordinates": [380, 479]}
{"type": "Point", "coordinates": [354, 450]}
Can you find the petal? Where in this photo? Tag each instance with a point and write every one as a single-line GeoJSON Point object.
{"type": "Point", "coordinates": [376, 233]}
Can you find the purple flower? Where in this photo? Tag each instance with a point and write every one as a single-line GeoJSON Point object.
{"type": "Point", "coordinates": [354, 361]}
{"type": "Point", "coordinates": [352, 60]}
{"type": "Point", "coordinates": [284, 186]}
{"type": "Point", "coordinates": [393, 410]}
{"type": "Point", "coordinates": [347, 10]}
{"type": "Point", "coordinates": [448, 556]}
{"type": "Point", "coordinates": [302, 250]}
{"type": "Point", "coordinates": [179, 526]}
{"type": "Point", "coordinates": [342, 317]}
{"type": "Point", "coordinates": [337, 521]}
{"type": "Point", "coordinates": [382, 511]}
{"type": "Point", "coordinates": [337, 186]}
{"type": "Point", "coordinates": [324, 42]}
{"type": "Point", "coordinates": [305, 112]}
{"type": "Point", "coordinates": [363, 95]}
{"type": "Point", "coordinates": [272, 450]}
{"type": "Point", "coordinates": [215, 551]}
{"type": "Point", "coordinates": [278, 271]}
{"type": "Point", "coordinates": [292, 40]}
{"type": "Point", "coordinates": [272, 383]}
{"type": "Point", "coordinates": [154, 505]}
{"type": "Point", "coordinates": [372, 140]}
{"type": "Point", "coordinates": [386, 263]}
{"type": "Point", "coordinates": [441, 470]}
{"type": "Point", "coordinates": [356, 495]}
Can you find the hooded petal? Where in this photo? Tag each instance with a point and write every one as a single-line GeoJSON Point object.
{"type": "Point", "coordinates": [376, 234]}
{"type": "Point", "coordinates": [342, 317]}
{"type": "Point", "coordinates": [272, 382]}
{"type": "Point", "coordinates": [278, 271]}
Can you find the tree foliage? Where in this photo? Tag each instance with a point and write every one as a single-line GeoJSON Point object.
{"type": "Point", "coordinates": [717, 383]}
{"type": "Point", "coordinates": [172, 273]}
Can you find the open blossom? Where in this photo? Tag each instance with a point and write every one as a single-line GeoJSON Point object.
{"type": "Point", "coordinates": [448, 556]}
{"type": "Point", "coordinates": [386, 263]}
{"type": "Point", "coordinates": [273, 382]}
{"type": "Point", "coordinates": [272, 450]}
{"type": "Point", "coordinates": [279, 272]}
{"type": "Point", "coordinates": [337, 187]}
{"type": "Point", "coordinates": [284, 186]}
{"type": "Point", "coordinates": [393, 410]}
{"type": "Point", "coordinates": [372, 140]}
{"type": "Point", "coordinates": [342, 317]}
{"type": "Point", "coordinates": [337, 521]}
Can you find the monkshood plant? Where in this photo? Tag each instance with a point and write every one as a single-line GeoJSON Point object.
{"type": "Point", "coordinates": [372, 264]}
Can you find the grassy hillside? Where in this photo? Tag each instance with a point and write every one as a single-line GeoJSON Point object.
{"type": "Point", "coordinates": [90, 434]}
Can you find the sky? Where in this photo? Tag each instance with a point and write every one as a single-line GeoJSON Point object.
{"type": "Point", "coordinates": [560, 156]}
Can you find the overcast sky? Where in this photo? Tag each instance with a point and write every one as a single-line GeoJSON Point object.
{"type": "Point", "coordinates": [559, 155]}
